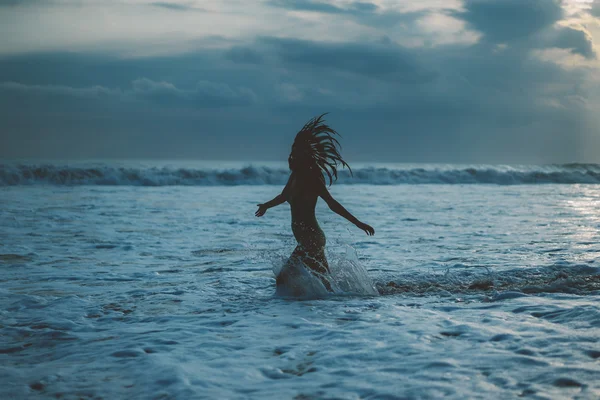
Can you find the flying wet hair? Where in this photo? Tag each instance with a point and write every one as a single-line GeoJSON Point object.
{"type": "Point", "coordinates": [316, 148]}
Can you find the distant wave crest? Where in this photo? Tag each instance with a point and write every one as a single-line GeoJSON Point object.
{"type": "Point", "coordinates": [22, 174]}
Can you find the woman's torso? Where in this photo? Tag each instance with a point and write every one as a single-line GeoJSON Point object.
{"type": "Point", "coordinates": [302, 196]}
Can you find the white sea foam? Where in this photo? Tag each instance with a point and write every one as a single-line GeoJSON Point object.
{"type": "Point", "coordinates": [107, 174]}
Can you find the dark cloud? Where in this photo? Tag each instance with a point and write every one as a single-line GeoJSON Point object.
{"type": "Point", "coordinates": [202, 94]}
{"type": "Point", "coordinates": [578, 42]}
{"type": "Point", "coordinates": [175, 6]}
{"type": "Point", "coordinates": [529, 24]}
{"type": "Point", "coordinates": [449, 103]}
{"type": "Point", "coordinates": [372, 60]}
{"type": "Point", "coordinates": [310, 5]}
{"type": "Point", "coordinates": [57, 90]}
{"type": "Point", "coordinates": [482, 106]}
{"type": "Point", "coordinates": [104, 69]}
{"type": "Point", "coordinates": [365, 13]}
{"type": "Point", "coordinates": [244, 55]}
{"type": "Point", "coordinates": [12, 3]}
{"type": "Point", "coordinates": [509, 20]}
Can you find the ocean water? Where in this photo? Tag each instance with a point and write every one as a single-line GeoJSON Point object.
{"type": "Point", "coordinates": [156, 281]}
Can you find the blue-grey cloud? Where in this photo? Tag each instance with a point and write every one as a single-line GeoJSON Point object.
{"type": "Point", "coordinates": [353, 8]}
{"type": "Point", "coordinates": [57, 90]}
{"type": "Point", "coordinates": [577, 41]}
{"type": "Point", "coordinates": [481, 106]}
{"type": "Point", "coordinates": [449, 103]}
{"type": "Point", "coordinates": [203, 94]}
{"type": "Point", "coordinates": [244, 55]}
{"type": "Point", "coordinates": [529, 24]}
{"type": "Point", "coordinates": [365, 13]}
{"type": "Point", "coordinates": [12, 3]}
{"type": "Point", "coordinates": [509, 20]}
{"type": "Point", "coordinates": [311, 5]}
{"type": "Point", "coordinates": [175, 6]}
{"type": "Point", "coordinates": [373, 60]}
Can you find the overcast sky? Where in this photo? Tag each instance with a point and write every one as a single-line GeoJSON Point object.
{"type": "Point", "coordinates": [471, 81]}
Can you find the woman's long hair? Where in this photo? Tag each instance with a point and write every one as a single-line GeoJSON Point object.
{"type": "Point", "coordinates": [316, 149]}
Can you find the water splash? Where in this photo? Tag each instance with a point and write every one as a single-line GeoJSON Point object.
{"type": "Point", "coordinates": [346, 276]}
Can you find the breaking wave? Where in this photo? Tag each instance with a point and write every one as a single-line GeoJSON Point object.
{"type": "Point", "coordinates": [572, 279]}
{"type": "Point", "coordinates": [22, 174]}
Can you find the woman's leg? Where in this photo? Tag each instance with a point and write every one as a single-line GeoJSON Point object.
{"type": "Point", "coordinates": [316, 261]}
{"type": "Point", "coordinates": [296, 257]}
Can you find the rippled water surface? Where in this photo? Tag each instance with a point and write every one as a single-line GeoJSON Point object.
{"type": "Point", "coordinates": [168, 292]}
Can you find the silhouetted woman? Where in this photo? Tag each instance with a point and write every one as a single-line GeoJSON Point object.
{"type": "Point", "coordinates": [314, 153]}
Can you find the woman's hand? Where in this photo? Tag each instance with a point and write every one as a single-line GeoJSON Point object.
{"type": "Point", "coordinates": [262, 209]}
{"type": "Point", "coordinates": [367, 228]}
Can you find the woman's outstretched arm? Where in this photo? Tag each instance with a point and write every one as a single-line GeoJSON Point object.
{"type": "Point", "coordinates": [277, 200]}
{"type": "Point", "coordinates": [262, 208]}
{"type": "Point", "coordinates": [337, 208]}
